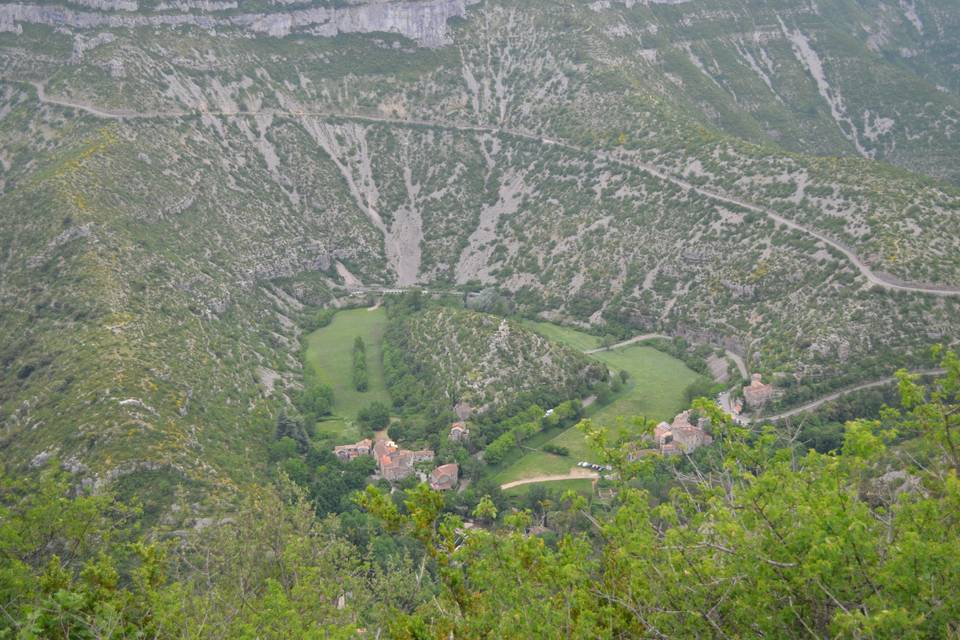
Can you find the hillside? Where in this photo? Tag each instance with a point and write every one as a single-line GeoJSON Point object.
{"type": "Point", "coordinates": [182, 183]}
{"type": "Point", "coordinates": [751, 536]}
{"type": "Point", "coordinates": [485, 361]}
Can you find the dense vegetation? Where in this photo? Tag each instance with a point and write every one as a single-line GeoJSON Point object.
{"type": "Point", "coordinates": [360, 379]}
{"type": "Point", "coordinates": [450, 356]}
{"type": "Point", "coordinates": [189, 189]}
{"type": "Point", "coordinates": [761, 538]}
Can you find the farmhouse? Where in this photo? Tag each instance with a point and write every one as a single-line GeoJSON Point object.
{"type": "Point", "coordinates": [757, 393]}
{"type": "Point", "coordinates": [680, 436]}
{"type": "Point", "coordinates": [445, 477]}
{"type": "Point", "coordinates": [459, 432]}
{"type": "Point", "coordinates": [348, 452]}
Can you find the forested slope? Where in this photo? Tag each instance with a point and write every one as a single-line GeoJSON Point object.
{"type": "Point", "coordinates": [759, 537]}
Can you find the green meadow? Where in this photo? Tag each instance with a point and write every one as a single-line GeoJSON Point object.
{"type": "Point", "coordinates": [583, 486]}
{"type": "Point", "coordinates": [654, 389]}
{"type": "Point", "coordinates": [330, 352]}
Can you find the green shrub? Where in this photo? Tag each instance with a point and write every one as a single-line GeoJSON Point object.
{"type": "Point", "coordinates": [375, 416]}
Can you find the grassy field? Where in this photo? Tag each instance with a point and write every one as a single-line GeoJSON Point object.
{"type": "Point", "coordinates": [655, 389]}
{"type": "Point", "coordinates": [581, 486]}
{"type": "Point", "coordinates": [330, 351]}
{"type": "Point", "coordinates": [564, 335]}
{"type": "Point", "coordinates": [536, 463]}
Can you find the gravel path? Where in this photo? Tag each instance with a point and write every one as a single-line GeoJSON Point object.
{"type": "Point", "coordinates": [575, 474]}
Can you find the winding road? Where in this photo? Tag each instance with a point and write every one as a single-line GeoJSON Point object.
{"type": "Point", "coordinates": [813, 404]}
{"type": "Point", "coordinates": [627, 343]}
{"type": "Point", "coordinates": [881, 280]}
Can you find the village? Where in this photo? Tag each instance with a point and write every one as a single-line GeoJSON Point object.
{"type": "Point", "coordinates": [395, 464]}
{"type": "Point", "coordinates": [687, 432]}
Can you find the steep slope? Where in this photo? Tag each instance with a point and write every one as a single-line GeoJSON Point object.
{"type": "Point", "coordinates": [177, 184]}
{"type": "Point", "coordinates": [486, 361]}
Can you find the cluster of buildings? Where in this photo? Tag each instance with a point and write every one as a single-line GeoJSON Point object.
{"type": "Point", "coordinates": [674, 438]}
{"type": "Point", "coordinates": [394, 463]}
{"type": "Point", "coordinates": [680, 436]}
{"type": "Point", "coordinates": [683, 436]}
{"type": "Point", "coordinates": [347, 452]}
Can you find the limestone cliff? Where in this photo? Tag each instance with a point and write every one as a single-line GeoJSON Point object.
{"type": "Point", "coordinates": [425, 22]}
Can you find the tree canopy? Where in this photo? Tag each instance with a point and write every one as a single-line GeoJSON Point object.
{"type": "Point", "coordinates": [763, 538]}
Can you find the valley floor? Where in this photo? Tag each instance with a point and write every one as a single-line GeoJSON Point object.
{"type": "Point", "coordinates": [654, 389]}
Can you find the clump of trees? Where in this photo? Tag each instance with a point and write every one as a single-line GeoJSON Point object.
{"type": "Point", "coordinates": [556, 449]}
{"type": "Point", "coordinates": [526, 424]}
{"type": "Point", "coordinates": [360, 377]}
{"type": "Point", "coordinates": [701, 388]}
{"type": "Point", "coordinates": [316, 400]}
{"type": "Point", "coordinates": [375, 416]}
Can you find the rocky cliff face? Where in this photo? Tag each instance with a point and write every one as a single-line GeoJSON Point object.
{"type": "Point", "coordinates": [425, 22]}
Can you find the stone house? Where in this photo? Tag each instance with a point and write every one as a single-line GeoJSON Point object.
{"type": "Point", "coordinates": [680, 436]}
{"type": "Point", "coordinates": [423, 455]}
{"type": "Point", "coordinates": [397, 466]}
{"type": "Point", "coordinates": [348, 452]}
{"type": "Point", "coordinates": [459, 432]}
{"type": "Point", "coordinates": [395, 463]}
{"type": "Point", "coordinates": [757, 393]}
{"type": "Point", "coordinates": [445, 477]}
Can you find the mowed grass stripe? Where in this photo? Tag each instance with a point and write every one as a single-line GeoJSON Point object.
{"type": "Point", "coordinates": [330, 352]}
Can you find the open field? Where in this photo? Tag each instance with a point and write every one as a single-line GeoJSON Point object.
{"type": "Point", "coordinates": [582, 486]}
{"type": "Point", "coordinates": [330, 352]}
{"type": "Point", "coordinates": [564, 335]}
{"type": "Point", "coordinates": [655, 389]}
{"type": "Point", "coordinates": [340, 429]}
{"type": "Point", "coordinates": [535, 463]}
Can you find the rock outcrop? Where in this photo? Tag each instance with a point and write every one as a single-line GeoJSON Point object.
{"type": "Point", "coordinates": [425, 22]}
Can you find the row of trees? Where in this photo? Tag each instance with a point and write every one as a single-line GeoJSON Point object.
{"type": "Point", "coordinates": [360, 376]}
{"type": "Point", "coordinates": [528, 423]}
